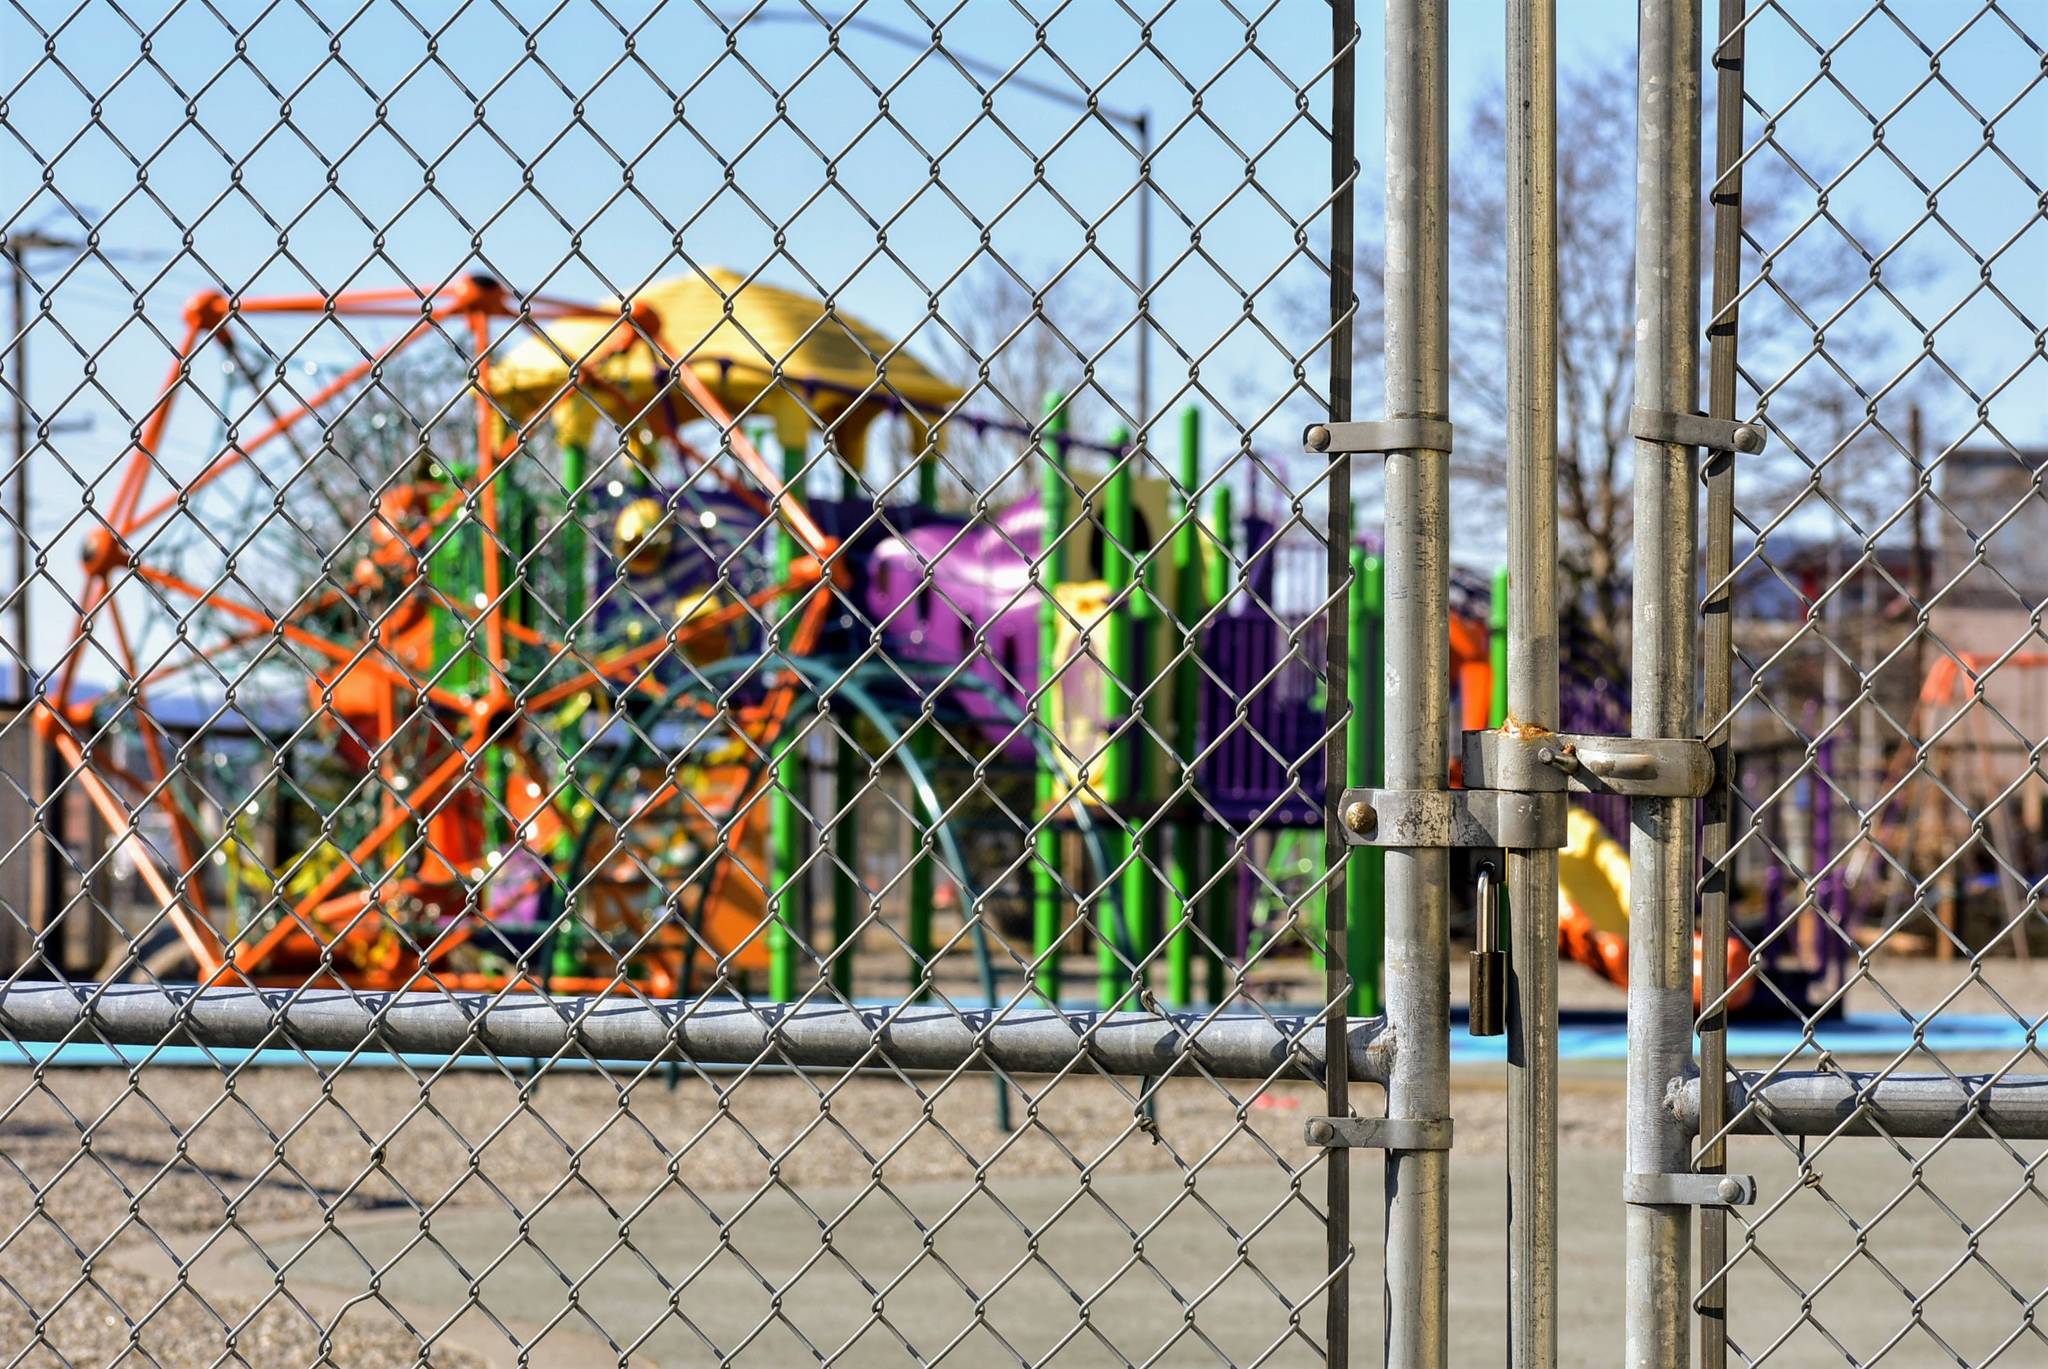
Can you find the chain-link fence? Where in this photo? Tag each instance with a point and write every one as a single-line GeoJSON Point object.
{"type": "Point", "coordinates": [1880, 851]}
{"type": "Point", "coordinates": [674, 670]}
{"type": "Point", "coordinates": [680, 687]}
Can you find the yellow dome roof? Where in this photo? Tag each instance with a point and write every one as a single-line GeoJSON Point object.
{"type": "Point", "coordinates": [761, 351]}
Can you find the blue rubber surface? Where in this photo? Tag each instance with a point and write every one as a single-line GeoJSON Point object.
{"type": "Point", "coordinates": [1604, 1036]}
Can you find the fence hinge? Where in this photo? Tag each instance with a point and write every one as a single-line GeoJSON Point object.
{"type": "Point", "coordinates": [1695, 430]}
{"type": "Point", "coordinates": [1380, 1133]}
{"type": "Point", "coordinates": [1535, 761]}
{"type": "Point", "coordinates": [1688, 1190]}
{"type": "Point", "coordinates": [1380, 435]}
{"type": "Point", "coordinates": [1489, 818]}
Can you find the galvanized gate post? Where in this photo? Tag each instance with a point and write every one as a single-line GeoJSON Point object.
{"type": "Point", "coordinates": [1418, 666]}
{"type": "Point", "coordinates": [1661, 829]}
{"type": "Point", "coordinates": [1532, 681]}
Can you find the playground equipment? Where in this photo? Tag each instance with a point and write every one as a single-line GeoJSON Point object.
{"type": "Point", "coordinates": [549, 680]}
{"type": "Point", "coordinates": [593, 667]}
{"type": "Point", "coordinates": [459, 658]}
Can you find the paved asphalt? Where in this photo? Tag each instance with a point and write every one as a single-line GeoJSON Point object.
{"type": "Point", "coordinates": [1943, 1268]}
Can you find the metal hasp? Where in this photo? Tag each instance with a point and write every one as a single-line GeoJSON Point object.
{"type": "Point", "coordinates": [1428, 819]}
{"type": "Point", "coordinates": [1688, 1190]}
{"type": "Point", "coordinates": [1379, 1133]}
{"type": "Point", "coordinates": [1535, 761]}
{"type": "Point", "coordinates": [1695, 430]}
{"type": "Point", "coordinates": [1381, 435]}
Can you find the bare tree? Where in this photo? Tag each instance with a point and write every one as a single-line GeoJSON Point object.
{"type": "Point", "coordinates": [1596, 324]}
{"type": "Point", "coordinates": [1014, 345]}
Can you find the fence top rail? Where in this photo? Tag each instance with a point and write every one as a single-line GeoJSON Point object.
{"type": "Point", "coordinates": [1025, 1038]}
{"type": "Point", "coordinates": [2013, 1107]}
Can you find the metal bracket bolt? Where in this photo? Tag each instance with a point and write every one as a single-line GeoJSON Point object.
{"type": "Point", "coordinates": [1696, 430]}
{"type": "Point", "coordinates": [1432, 818]}
{"type": "Point", "coordinates": [1360, 818]}
{"type": "Point", "coordinates": [1380, 1133]}
{"type": "Point", "coordinates": [1384, 435]}
{"type": "Point", "coordinates": [1688, 1190]}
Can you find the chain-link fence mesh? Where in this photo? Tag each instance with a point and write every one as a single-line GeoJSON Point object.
{"type": "Point", "coordinates": [1884, 855]}
{"type": "Point", "coordinates": [706, 630]}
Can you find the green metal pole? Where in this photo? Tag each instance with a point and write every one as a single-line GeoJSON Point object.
{"type": "Point", "coordinates": [849, 769]}
{"type": "Point", "coordinates": [574, 541]}
{"type": "Point", "coordinates": [1497, 668]}
{"type": "Point", "coordinates": [1046, 916]}
{"type": "Point", "coordinates": [1365, 888]}
{"type": "Point", "coordinates": [1123, 774]}
{"type": "Point", "coordinates": [923, 745]}
{"type": "Point", "coordinates": [573, 546]}
{"type": "Point", "coordinates": [785, 833]}
{"type": "Point", "coordinates": [1497, 648]}
{"type": "Point", "coordinates": [515, 539]}
{"type": "Point", "coordinates": [849, 888]}
{"type": "Point", "coordinates": [1221, 915]}
{"type": "Point", "coordinates": [1183, 871]}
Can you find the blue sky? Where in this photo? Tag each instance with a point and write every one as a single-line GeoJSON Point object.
{"type": "Point", "coordinates": [381, 172]}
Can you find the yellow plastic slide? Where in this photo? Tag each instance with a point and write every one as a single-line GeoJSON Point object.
{"type": "Point", "coordinates": [1592, 909]}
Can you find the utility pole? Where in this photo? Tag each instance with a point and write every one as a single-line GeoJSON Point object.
{"type": "Point", "coordinates": [40, 882]}
{"type": "Point", "coordinates": [43, 876]}
{"type": "Point", "coordinates": [16, 247]}
{"type": "Point", "coordinates": [17, 370]}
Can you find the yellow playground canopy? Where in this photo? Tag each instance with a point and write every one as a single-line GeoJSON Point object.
{"type": "Point", "coordinates": [835, 371]}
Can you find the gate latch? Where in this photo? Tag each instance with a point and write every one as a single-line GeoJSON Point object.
{"type": "Point", "coordinates": [1380, 1133]}
{"type": "Point", "coordinates": [1531, 760]}
{"type": "Point", "coordinates": [1688, 1190]}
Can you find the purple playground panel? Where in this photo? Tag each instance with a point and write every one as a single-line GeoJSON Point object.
{"type": "Point", "coordinates": [948, 584]}
{"type": "Point", "coordinates": [1262, 696]}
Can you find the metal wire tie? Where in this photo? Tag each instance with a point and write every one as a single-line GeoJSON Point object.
{"type": "Point", "coordinates": [1695, 430]}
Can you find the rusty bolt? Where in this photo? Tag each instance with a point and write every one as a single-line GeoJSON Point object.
{"type": "Point", "coordinates": [1360, 817]}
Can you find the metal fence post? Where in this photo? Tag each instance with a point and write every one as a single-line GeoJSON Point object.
{"type": "Point", "coordinates": [1662, 837]}
{"type": "Point", "coordinates": [1337, 973]}
{"type": "Point", "coordinates": [1418, 666]}
{"type": "Point", "coordinates": [1532, 670]}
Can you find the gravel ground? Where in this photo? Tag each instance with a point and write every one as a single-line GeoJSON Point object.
{"type": "Point", "coordinates": [105, 1183]}
{"type": "Point", "coordinates": [189, 1159]}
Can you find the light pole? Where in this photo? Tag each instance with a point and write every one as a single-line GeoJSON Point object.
{"type": "Point", "coordinates": [1138, 121]}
